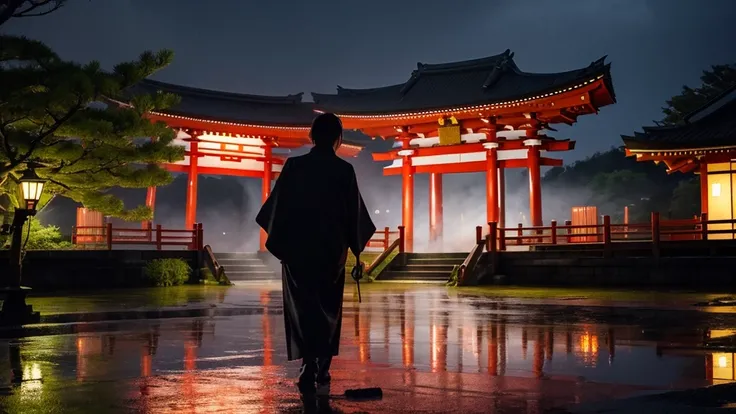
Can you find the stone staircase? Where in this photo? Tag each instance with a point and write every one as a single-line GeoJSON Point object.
{"type": "Point", "coordinates": [247, 267]}
{"type": "Point", "coordinates": [422, 267]}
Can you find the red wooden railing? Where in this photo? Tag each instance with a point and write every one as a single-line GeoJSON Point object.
{"type": "Point", "coordinates": [382, 239]}
{"type": "Point", "coordinates": [108, 236]}
{"type": "Point", "coordinates": [606, 233]}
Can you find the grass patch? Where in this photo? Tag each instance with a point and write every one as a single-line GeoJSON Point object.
{"type": "Point", "coordinates": [207, 278]}
{"type": "Point", "coordinates": [367, 258]}
{"type": "Point", "coordinates": [167, 272]}
{"type": "Point", "coordinates": [589, 293]}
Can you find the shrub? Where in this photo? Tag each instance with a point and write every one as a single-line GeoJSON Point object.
{"type": "Point", "coordinates": [167, 272]}
{"type": "Point", "coordinates": [40, 237]}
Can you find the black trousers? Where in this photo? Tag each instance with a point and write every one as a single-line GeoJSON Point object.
{"type": "Point", "coordinates": [312, 310]}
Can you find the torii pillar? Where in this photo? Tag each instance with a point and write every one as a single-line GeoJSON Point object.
{"type": "Point", "coordinates": [492, 178]}
{"type": "Point", "coordinates": [435, 208]}
{"type": "Point", "coordinates": [190, 215]}
{"type": "Point", "coordinates": [407, 195]}
{"type": "Point", "coordinates": [533, 143]}
{"type": "Point", "coordinates": [266, 185]}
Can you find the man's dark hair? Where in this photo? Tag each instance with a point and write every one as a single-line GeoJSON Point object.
{"type": "Point", "coordinates": [326, 130]}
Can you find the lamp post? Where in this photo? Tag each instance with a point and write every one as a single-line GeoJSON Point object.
{"type": "Point", "coordinates": [15, 311]}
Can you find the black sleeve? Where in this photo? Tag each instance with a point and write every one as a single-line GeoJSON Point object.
{"type": "Point", "coordinates": [360, 226]}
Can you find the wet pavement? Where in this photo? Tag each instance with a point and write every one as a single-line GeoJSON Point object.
{"type": "Point", "coordinates": [432, 350]}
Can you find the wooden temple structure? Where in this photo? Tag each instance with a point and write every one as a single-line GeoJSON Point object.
{"type": "Point", "coordinates": [232, 134]}
{"type": "Point", "coordinates": [483, 115]}
{"type": "Point", "coordinates": [704, 143]}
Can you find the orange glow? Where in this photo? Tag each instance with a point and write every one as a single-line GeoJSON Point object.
{"type": "Point", "coordinates": [407, 335]}
{"type": "Point", "coordinates": [588, 347]}
{"type": "Point", "coordinates": [146, 364]}
{"type": "Point", "coordinates": [364, 338]}
{"type": "Point", "coordinates": [493, 350]}
{"type": "Point", "coordinates": [723, 368]}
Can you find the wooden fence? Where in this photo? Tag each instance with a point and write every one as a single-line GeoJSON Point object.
{"type": "Point", "coordinates": [108, 236]}
{"type": "Point", "coordinates": [382, 239]}
{"type": "Point", "coordinates": [607, 234]}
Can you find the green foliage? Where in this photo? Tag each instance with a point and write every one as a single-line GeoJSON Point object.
{"type": "Point", "coordinates": [379, 268]}
{"type": "Point", "coordinates": [207, 278]}
{"type": "Point", "coordinates": [611, 181]}
{"type": "Point", "coordinates": [167, 272]}
{"type": "Point", "coordinates": [40, 237]}
{"type": "Point", "coordinates": [715, 81]}
{"type": "Point", "coordinates": [64, 119]}
{"type": "Point", "coordinates": [686, 199]}
{"type": "Point", "coordinates": [454, 277]}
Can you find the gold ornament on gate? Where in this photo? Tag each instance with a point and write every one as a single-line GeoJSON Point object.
{"type": "Point", "coordinates": [449, 131]}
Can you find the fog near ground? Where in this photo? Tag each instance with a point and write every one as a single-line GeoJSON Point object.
{"type": "Point", "coordinates": [227, 206]}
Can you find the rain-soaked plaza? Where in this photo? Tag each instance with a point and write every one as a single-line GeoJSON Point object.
{"type": "Point", "coordinates": [431, 349]}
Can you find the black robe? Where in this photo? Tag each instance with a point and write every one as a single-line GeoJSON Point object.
{"type": "Point", "coordinates": [313, 215]}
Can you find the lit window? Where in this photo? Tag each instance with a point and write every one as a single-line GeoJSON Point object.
{"type": "Point", "coordinates": [716, 190]}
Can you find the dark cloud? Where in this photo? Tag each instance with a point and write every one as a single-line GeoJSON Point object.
{"type": "Point", "coordinates": [287, 46]}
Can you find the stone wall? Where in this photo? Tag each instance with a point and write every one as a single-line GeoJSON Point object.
{"type": "Point", "coordinates": [536, 268]}
{"type": "Point", "coordinates": [90, 269]}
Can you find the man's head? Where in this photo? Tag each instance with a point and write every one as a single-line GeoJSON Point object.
{"type": "Point", "coordinates": [326, 131]}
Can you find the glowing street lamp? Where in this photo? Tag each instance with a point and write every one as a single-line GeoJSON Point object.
{"type": "Point", "coordinates": [15, 311]}
{"type": "Point", "coordinates": [31, 187]}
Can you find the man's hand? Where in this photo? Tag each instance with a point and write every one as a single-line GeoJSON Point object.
{"type": "Point", "coordinates": [357, 273]}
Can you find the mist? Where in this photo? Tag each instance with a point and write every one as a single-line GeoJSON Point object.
{"type": "Point", "coordinates": [227, 206]}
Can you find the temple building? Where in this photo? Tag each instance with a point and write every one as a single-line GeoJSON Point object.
{"type": "Point", "coordinates": [483, 115]}
{"type": "Point", "coordinates": [232, 134]}
{"type": "Point", "coordinates": [705, 143]}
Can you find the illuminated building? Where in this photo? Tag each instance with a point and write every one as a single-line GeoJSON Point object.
{"type": "Point", "coordinates": [483, 115]}
{"type": "Point", "coordinates": [231, 134]}
{"type": "Point", "coordinates": [705, 143]}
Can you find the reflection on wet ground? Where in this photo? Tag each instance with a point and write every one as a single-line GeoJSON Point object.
{"type": "Point", "coordinates": [431, 349]}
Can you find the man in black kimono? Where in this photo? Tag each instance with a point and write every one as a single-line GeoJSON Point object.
{"type": "Point", "coordinates": [313, 215]}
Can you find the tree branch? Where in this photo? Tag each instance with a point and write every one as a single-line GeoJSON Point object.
{"type": "Point", "coordinates": [35, 4]}
{"type": "Point", "coordinates": [6, 145]}
{"type": "Point", "coordinates": [50, 131]}
{"type": "Point", "coordinates": [9, 9]}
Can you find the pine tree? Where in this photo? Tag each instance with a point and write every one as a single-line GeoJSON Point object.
{"type": "Point", "coordinates": [717, 80]}
{"type": "Point", "coordinates": [27, 8]}
{"type": "Point", "coordinates": [65, 119]}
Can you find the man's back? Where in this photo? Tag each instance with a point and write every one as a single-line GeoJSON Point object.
{"type": "Point", "coordinates": [314, 197]}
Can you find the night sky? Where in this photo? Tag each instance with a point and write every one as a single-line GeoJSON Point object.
{"type": "Point", "coordinates": [282, 47]}
{"type": "Point", "coordinates": [287, 46]}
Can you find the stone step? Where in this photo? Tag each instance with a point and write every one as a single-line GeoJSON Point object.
{"type": "Point", "coordinates": [414, 275]}
{"type": "Point", "coordinates": [246, 255]}
{"type": "Point", "coordinates": [452, 255]}
{"type": "Point", "coordinates": [438, 262]}
{"type": "Point", "coordinates": [250, 272]}
{"type": "Point", "coordinates": [427, 268]}
{"type": "Point", "coordinates": [246, 267]}
{"type": "Point", "coordinates": [244, 276]}
{"type": "Point", "coordinates": [231, 262]}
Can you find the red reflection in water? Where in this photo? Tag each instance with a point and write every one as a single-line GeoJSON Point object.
{"type": "Point", "coordinates": [538, 364]}
{"type": "Point", "coordinates": [493, 349]}
{"type": "Point", "coordinates": [189, 391]}
{"type": "Point", "coordinates": [364, 335]}
{"type": "Point", "coordinates": [268, 394]}
{"type": "Point", "coordinates": [407, 331]}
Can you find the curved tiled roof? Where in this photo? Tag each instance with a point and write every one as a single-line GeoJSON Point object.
{"type": "Point", "coordinates": [472, 82]}
{"type": "Point", "coordinates": [712, 126]}
{"type": "Point", "coordinates": [232, 107]}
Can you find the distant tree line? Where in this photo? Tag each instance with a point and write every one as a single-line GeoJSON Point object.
{"type": "Point", "coordinates": [612, 181]}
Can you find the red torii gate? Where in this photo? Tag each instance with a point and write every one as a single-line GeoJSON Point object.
{"type": "Point", "coordinates": [232, 134]}
{"type": "Point", "coordinates": [482, 115]}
